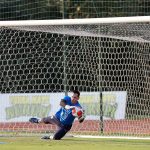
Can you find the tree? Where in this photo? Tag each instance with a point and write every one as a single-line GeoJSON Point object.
{"type": "Point", "coordinates": [58, 9]}
{"type": "Point", "coordinates": [29, 10]}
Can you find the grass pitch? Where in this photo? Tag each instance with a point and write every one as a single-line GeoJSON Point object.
{"type": "Point", "coordinates": [35, 143]}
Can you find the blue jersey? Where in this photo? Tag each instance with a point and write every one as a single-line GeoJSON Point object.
{"type": "Point", "coordinates": [65, 115]}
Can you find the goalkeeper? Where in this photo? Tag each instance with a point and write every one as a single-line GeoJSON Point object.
{"type": "Point", "coordinates": [63, 117]}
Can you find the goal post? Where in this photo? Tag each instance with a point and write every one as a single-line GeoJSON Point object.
{"type": "Point", "coordinates": [106, 59]}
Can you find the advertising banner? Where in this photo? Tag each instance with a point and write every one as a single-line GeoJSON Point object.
{"type": "Point", "coordinates": [20, 107]}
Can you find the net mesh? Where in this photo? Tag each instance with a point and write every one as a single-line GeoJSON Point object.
{"type": "Point", "coordinates": [131, 31]}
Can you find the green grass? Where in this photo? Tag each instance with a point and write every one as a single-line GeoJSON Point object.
{"type": "Point", "coordinates": [35, 143]}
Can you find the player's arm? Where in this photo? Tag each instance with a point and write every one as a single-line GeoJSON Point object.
{"type": "Point", "coordinates": [63, 103]}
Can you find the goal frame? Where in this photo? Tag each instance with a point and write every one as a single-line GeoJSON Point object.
{"type": "Point", "coordinates": [91, 21]}
{"type": "Point", "coordinates": [76, 21]}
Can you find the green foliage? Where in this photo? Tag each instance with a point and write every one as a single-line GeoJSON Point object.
{"type": "Point", "coordinates": [57, 9]}
{"type": "Point", "coordinates": [28, 10]}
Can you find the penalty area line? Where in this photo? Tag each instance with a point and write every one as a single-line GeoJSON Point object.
{"type": "Point", "coordinates": [112, 137]}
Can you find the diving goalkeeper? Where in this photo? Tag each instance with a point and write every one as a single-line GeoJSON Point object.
{"type": "Point", "coordinates": [63, 117]}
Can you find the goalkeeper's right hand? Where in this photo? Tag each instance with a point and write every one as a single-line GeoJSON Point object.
{"type": "Point", "coordinates": [81, 118]}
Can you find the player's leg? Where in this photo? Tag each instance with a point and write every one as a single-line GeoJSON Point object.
{"type": "Point", "coordinates": [46, 120]}
{"type": "Point", "coordinates": [50, 120]}
{"type": "Point", "coordinates": [61, 132]}
{"type": "Point", "coordinates": [53, 120]}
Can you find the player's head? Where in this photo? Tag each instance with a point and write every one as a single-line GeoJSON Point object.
{"type": "Point", "coordinates": [75, 97]}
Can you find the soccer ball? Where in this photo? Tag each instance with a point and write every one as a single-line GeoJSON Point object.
{"type": "Point", "coordinates": [77, 112]}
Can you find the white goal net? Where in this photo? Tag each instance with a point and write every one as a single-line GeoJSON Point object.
{"type": "Point", "coordinates": [107, 60]}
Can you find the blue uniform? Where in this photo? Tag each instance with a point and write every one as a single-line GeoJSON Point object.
{"type": "Point", "coordinates": [65, 115]}
{"type": "Point", "coordinates": [63, 119]}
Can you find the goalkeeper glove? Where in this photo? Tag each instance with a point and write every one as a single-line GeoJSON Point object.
{"type": "Point", "coordinates": [81, 118]}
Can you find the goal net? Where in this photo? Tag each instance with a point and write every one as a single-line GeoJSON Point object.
{"type": "Point", "coordinates": [107, 60]}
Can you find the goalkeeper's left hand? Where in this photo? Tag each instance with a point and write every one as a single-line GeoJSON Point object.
{"type": "Point", "coordinates": [81, 118]}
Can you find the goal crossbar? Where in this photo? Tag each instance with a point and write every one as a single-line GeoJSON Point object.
{"type": "Point", "coordinates": [123, 28]}
{"type": "Point", "coordinates": [77, 21]}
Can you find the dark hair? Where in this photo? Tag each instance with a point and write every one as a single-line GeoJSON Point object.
{"type": "Point", "coordinates": [76, 92]}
